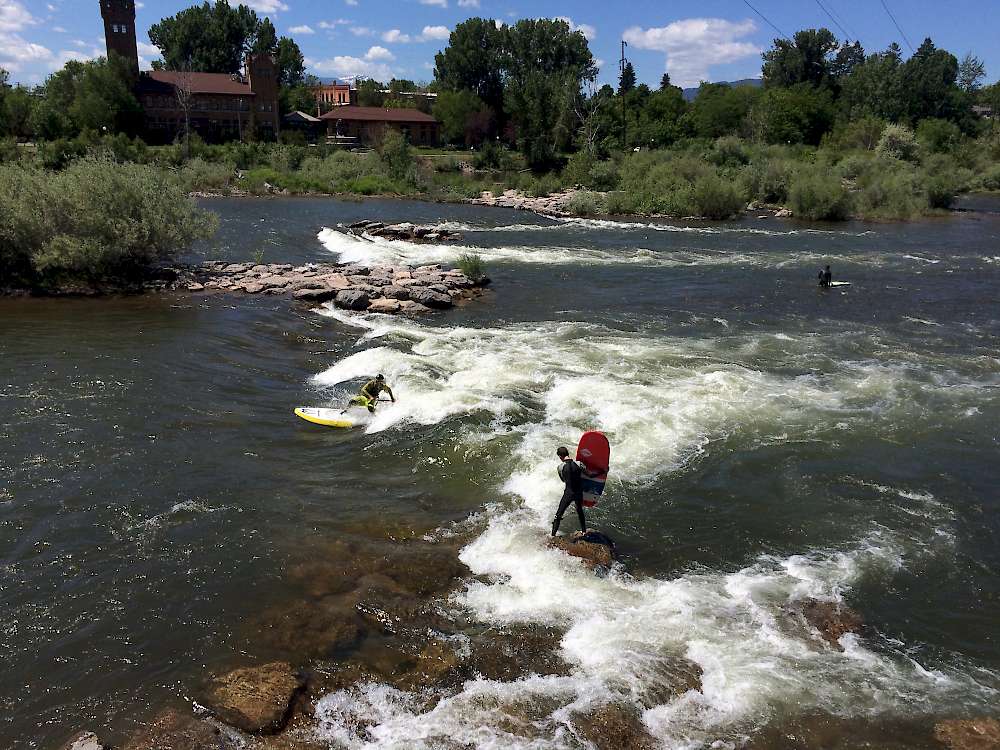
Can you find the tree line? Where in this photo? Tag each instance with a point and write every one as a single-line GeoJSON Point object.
{"type": "Point", "coordinates": [531, 85]}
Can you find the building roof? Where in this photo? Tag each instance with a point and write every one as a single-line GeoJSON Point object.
{"type": "Point", "coordinates": [300, 115]}
{"type": "Point", "coordinates": [378, 114]}
{"type": "Point", "coordinates": [200, 83]}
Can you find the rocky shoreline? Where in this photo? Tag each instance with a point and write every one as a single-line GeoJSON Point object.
{"type": "Point", "coordinates": [379, 289]}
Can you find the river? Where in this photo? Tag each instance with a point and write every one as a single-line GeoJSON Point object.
{"type": "Point", "coordinates": [770, 441]}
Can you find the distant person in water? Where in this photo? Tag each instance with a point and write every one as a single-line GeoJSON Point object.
{"type": "Point", "coordinates": [369, 394]}
{"type": "Point", "coordinates": [826, 277]}
{"type": "Point", "coordinates": [571, 473]}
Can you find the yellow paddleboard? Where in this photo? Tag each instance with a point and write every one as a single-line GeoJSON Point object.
{"type": "Point", "coordinates": [325, 417]}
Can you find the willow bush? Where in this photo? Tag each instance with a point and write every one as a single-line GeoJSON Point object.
{"type": "Point", "coordinates": [95, 221]}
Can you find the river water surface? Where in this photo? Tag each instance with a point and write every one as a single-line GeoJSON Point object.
{"type": "Point", "coordinates": [770, 441]}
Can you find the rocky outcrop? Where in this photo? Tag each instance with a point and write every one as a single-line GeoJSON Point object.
{"type": "Point", "coordinates": [258, 700]}
{"type": "Point", "coordinates": [615, 726]}
{"type": "Point", "coordinates": [831, 619]}
{"type": "Point", "coordinates": [173, 730]}
{"type": "Point", "coordinates": [549, 205]}
{"type": "Point", "coordinates": [594, 554]}
{"type": "Point", "coordinates": [84, 741]}
{"type": "Point", "coordinates": [389, 290]}
{"type": "Point", "coordinates": [405, 231]}
{"type": "Point", "coordinates": [969, 734]}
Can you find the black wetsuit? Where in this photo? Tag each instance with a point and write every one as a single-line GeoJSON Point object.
{"type": "Point", "coordinates": [825, 278]}
{"type": "Point", "coordinates": [572, 476]}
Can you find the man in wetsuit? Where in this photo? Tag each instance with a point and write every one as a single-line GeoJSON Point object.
{"type": "Point", "coordinates": [825, 277]}
{"type": "Point", "coordinates": [572, 476]}
{"type": "Point", "coordinates": [369, 394]}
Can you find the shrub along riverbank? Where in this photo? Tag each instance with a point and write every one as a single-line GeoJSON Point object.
{"type": "Point", "coordinates": [867, 170]}
{"type": "Point", "coordinates": [95, 223]}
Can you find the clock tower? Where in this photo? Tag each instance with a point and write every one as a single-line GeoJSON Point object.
{"type": "Point", "coordinates": [119, 30]}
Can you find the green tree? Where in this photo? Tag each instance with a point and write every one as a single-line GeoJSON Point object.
{"type": "Point", "coordinates": [211, 38]}
{"type": "Point", "coordinates": [665, 82]}
{"type": "Point", "coordinates": [626, 81]}
{"type": "Point", "coordinates": [806, 59]}
{"type": "Point", "coordinates": [876, 88]}
{"type": "Point", "coordinates": [300, 96]}
{"type": "Point", "coordinates": [290, 61]}
{"type": "Point", "coordinates": [264, 39]}
{"type": "Point", "coordinates": [658, 122]}
{"type": "Point", "coordinates": [848, 58]}
{"type": "Point", "coordinates": [799, 114]}
{"type": "Point", "coordinates": [18, 107]}
{"type": "Point", "coordinates": [719, 109]}
{"type": "Point", "coordinates": [472, 61]}
{"type": "Point", "coordinates": [545, 65]}
{"type": "Point", "coordinates": [95, 95]}
{"type": "Point", "coordinates": [971, 72]}
{"type": "Point", "coordinates": [370, 93]}
{"type": "Point", "coordinates": [464, 117]}
{"type": "Point", "coordinates": [929, 79]}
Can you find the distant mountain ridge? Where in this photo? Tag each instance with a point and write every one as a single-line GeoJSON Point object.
{"type": "Point", "coordinates": [692, 93]}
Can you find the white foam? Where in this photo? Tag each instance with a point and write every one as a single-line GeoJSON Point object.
{"type": "Point", "coordinates": [660, 400]}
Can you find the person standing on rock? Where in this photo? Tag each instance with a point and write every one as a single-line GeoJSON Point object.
{"type": "Point", "coordinates": [571, 474]}
{"type": "Point", "coordinates": [369, 394]}
{"type": "Point", "coordinates": [825, 277]}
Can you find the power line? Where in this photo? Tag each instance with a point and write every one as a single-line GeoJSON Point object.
{"type": "Point", "coordinates": [840, 18]}
{"type": "Point", "coordinates": [780, 32]}
{"type": "Point", "coordinates": [835, 21]}
{"type": "Point", "coordinates": [898, 27]}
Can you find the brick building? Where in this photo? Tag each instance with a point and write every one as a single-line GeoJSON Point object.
{"type": "Point", "coordinates": [368, 124]}
{"type": "Point", "coordinates": [218, 106]}
{"type": "Point", "coordinates": [331, 95]}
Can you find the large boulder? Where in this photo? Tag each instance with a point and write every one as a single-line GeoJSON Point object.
{"type": "Point", "coordinates": [395, 292]}
{"type": "Point", "coordinates": [430, 298]}
{"type": "Point", "coordinates": [352, 299]}
{"type": "Point", "coordinates": [593, 553]}
{"type": "Point", "coordinates": [969, 734]}
{"type": "Point", "coordinates": [255, 699]}
{"type": "Point", "coordinates": [311, 294]}
{"type": "Point", "coordinates": [385, 306]}
{"type": "Point", "coordinates": [84, 741]}
{"type": "Point", "coordinates": [616, 726]}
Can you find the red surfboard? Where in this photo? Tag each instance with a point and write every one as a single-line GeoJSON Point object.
{"type": "Point", "coordinates": [594, 452]}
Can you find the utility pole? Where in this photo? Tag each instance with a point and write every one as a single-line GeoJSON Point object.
{"type": "Point", "coordinates": [621, 69]}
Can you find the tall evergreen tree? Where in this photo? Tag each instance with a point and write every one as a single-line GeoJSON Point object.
{"type": "Point", "coordinates": [626, 81]}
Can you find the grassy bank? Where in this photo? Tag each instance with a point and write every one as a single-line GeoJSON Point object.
{"type": "Point", "coordinates": [897, 175]}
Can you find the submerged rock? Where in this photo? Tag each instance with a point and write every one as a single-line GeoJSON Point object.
{"type": "Point", "coordinates": [831, 619]}
{"type": "Point", "coordinates": [616, 726]}
{"type": "Point", "coordinates": [969, 734]}
{"type": "Point", "coordinates": [172, 730]}
{"type": "Point", "coordinates": [255, 699]}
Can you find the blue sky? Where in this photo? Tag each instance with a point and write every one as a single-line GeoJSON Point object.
{"type": "Point", "coordinates": [692, 39]}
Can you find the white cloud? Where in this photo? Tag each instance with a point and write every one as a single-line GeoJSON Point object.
{"type": "Point", "coordinates": [468, 3]}
{"type": "Point", "coordinates": [147, 53]}
{"type": "Point", "coordinates": [395, 36]}
{"type": "Point", "coordinates": [14, 16]}
{"type": "Point", "coordinates": [694, 45]}
{"type": "Point", "coordinates": [16, 52]}
{"type": "Point", "coordinates": [348, 66]}
{"type": "Point", "coordinates": [362, 31]}
{"type": "Point", "coordinates": [584, 28]}
{"type": "Point", "coordinates": [266, 6]}
{"type": "Point", "coordinates": [438, 3]}
{"type": "Point", "coordinates": [429, 34]}
{"type": "Point", "coordinates": [352, 3]}
{"type": "Point", "coordinates": [379, 53]}
{"type": "Point", "coordinates": [303, 29]}
{"type": "Point", "coordinates": [435, 33]}
{"type": "Point", "coordinates": [334, 24]}
{"type": "Point", "coordinates": [59, 30]}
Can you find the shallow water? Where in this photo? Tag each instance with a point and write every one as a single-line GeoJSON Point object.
{"type": "Point", "coordinates": [770, 441]}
